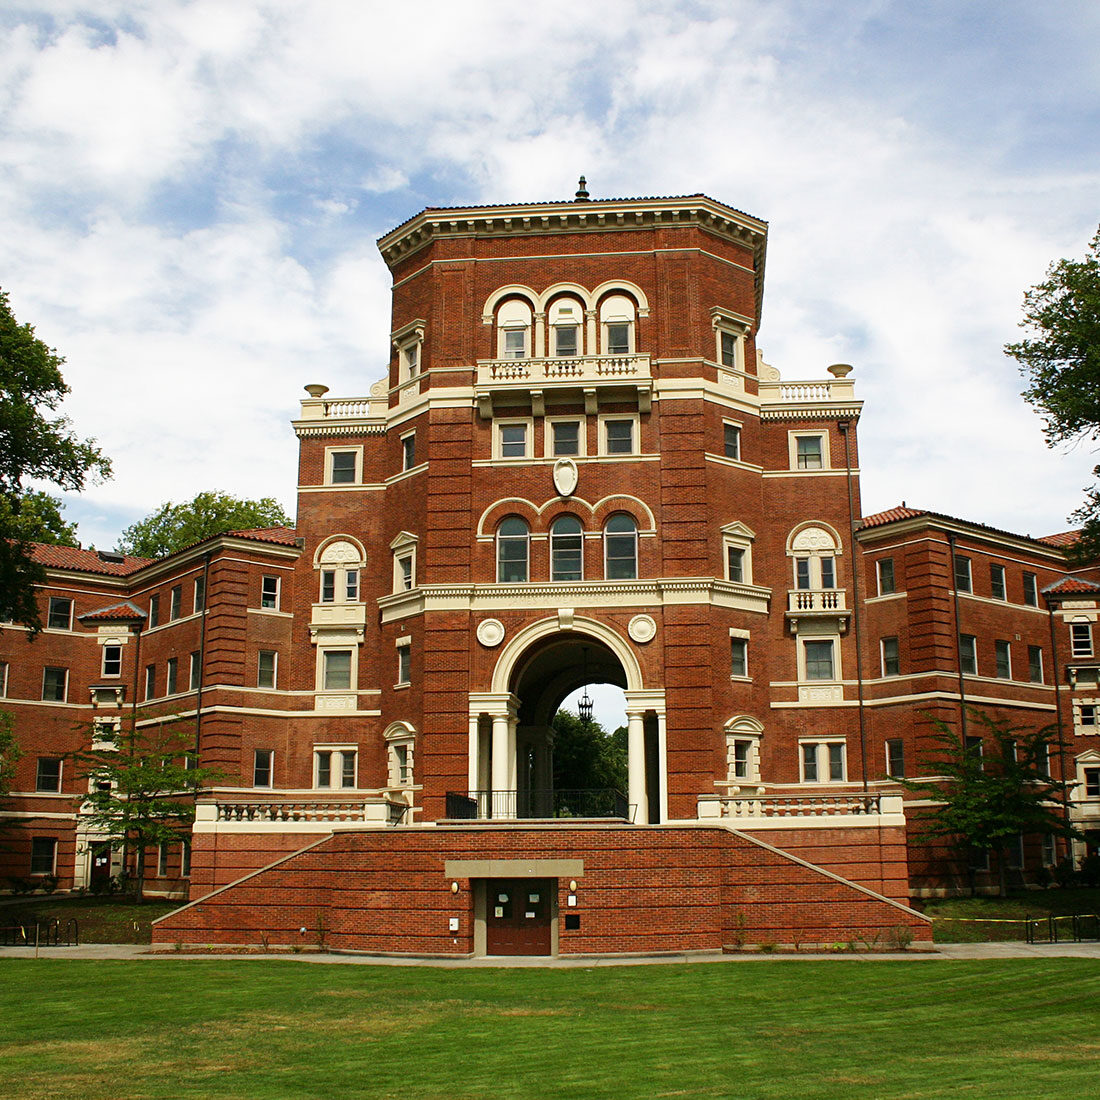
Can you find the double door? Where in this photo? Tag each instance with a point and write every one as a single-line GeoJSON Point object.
{"type": "Point", "coordinates": [519, 912]}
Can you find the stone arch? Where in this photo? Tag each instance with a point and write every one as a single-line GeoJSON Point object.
{"type": "Point", "coordinates": [339, 549]}
{"type": "Point", "coordinates": [513, 290]}
{"type": "Point", "coordinates": [814, 535]}
{"type": "Point", "coordinates": [622, 286]}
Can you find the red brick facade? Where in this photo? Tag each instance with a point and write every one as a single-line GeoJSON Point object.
{"type": "Point", "coordinates": [577, 470]}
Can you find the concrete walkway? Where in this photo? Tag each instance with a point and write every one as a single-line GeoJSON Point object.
{"type": "Point", "coordinates": [943, 952]}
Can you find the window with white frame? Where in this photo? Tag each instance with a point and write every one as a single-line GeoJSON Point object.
{"type": "Point", "coordinates": [813, 551]}
{"type": "Point", "coordinates": [175, 602]}
{"type": "Point", "coordinates": [48, 774]}
{"type": "Point", "coordinates": [150, 681]}
{"type": "Point", "coordinates": [617, 314]}
{"type": "Point", "coordinates": [1031, 590]}
{"type": "Point", "coordinates": [1035, 663]}
{"type": "Point", "coordinates": [263, 767]}
{"type": "Point", "coordinates": [566, 316]}
{"type": "Point", "coordinates": [1049, 854]}
{"type": "Point", "coordinates": [162, 859]}
{"type": "Point", "coordinates": [55, 684]}
{"type": "Point", "coordinates": [400, 745]}
{"type": "Point", "coordinates": [964, 581]}
{"type": "Point", "coordinates": [743, 750]}
{"type": "Point", "coordinates": [43, 855]}
{"type": "Point", "coordinates": [194, 678]}
{"type": "Point", "coordinates": [343, 464]}
{"type": "Point", "coordinates": [737, 542]}
{"type": "Point", "coordinates": [735, 563]}
{"type": "Point", "coordinates": [404, 662]}
{"type": "Point", "coordinates": [619, 435]}
{"type": "Point", "coordinates": [730, 330]}
{"type": "Point", "coordinates": [809, 450]}
{"type": "Point", "coordinates": [895, 758]}
{"type": "Point", "coordinates": [513, 438]}
{"type": "Point", "coordinates": [1091, 777]}
{"type": "Point", "coordinates": [620, 538]}
{"type": "Point", "coordinates": [339, 563]}
{"type": "Point", "coordinates": [200, 593]}
{"type": "Point", "coordinates": [172, 670]}
{"type": "Point", "coordinates": [337, 669]}
{"type": "Point", "coordinates": [154, 611]}
{"type": "Point", "coordinates": [566, 549]}
{"type": "Point", "coordinates": [997, 581]}
{"type": "Point", "coordinates": [335, 767]}
{"type": "Point", "coordinates": [968, 654]}
{"type": "Point", "coordinates": [823, 761]}
{"type": "Point", "coordinates": [739, 656]}
{"type": "Point", "coordinates": [408, 343]}
{"type": "Point", "coordinates": [819, 659]}
{"type": "Point", "coordinates": [884, 568]}
{"type": "Point", "coordinates": [1086, 714]}
{"type": "Point", "coordinates": [60, 613]}
{"type": "Point", "coordinates": [269, 593]}
{"type": "Point", "coordinates": [731, 440]}
{"type": "Point", "coordinates": [403, 549]}
{"type": "Point", "coordinates": [3, 679]}
{"type": "Point", "coordinates": [513, 551]}
{"type": "Point", "coordinates": [266, 664]}
{"type": "Point", "coordinates": [565, 437]}
{"type": "Point", "coordinates": [891, 657]}
{"type": "Point", "coordinates": [408, 451]}
{"type": "Point", "coordinates": [514, 329]}
{"type": "Point", "coordinates": [1080, 638]}
{"type": "Point", "coordinates": [112, 660]}
{"type": "Point", "coordinates": [404, 564]}
{"type": "Point", "coordinates": [1003, 654]}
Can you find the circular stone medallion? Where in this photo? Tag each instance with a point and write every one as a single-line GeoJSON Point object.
{"type": "Point", "coordinates": [490, 632]}
{"type": "Point", "coordinates": [642, 629]}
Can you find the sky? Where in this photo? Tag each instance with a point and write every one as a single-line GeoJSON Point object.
{"type": "Point", "coordinates": [190, 195]}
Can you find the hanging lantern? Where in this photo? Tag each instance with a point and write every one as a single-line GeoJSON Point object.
{"type": "Point", "coordinates": [584, 704]}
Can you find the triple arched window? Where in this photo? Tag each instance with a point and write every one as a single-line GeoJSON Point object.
{"type": "Point", "coordinates": [620, 549]}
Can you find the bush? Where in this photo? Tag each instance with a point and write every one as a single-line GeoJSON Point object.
{"type": "Point", "coordinates": [20, 887]}
{"type": "Point", "coordinates": [49, 883]}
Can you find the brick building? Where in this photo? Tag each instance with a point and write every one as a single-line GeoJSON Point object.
{"type": "Point", "coordinates": [578, 470]}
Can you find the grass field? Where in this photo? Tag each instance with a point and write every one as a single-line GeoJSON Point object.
{"type": "Point", "coordinates": [99, 919]}
{"type": "Point", "coordinates": [764, 1028]}
{"type": "Point", "coordinates": [982, 920]}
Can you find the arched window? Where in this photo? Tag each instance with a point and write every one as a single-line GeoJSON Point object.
{"type": "Point", "coordinates": [514, 329]}
{"type": "Point", "coordinates": [513, 551]}
{"type": "Point", "coordinates": [566, 549]}
{"type": "Point", "coordinates": [620, 544]}
{"type": "Point", "coordinates": [813, 550]}
{"type": "Point", "coordinates": [566, 319]}
{"type": "Point", "coordinates": [340, 562]}
{"type": "Point", "coordinates": [617, 325]}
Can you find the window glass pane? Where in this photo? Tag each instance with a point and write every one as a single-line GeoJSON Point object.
{"type": "Point", "coordinates": [512, 544]}
{"type": "Point", "coordinates": [1035, 664]}
{"type": "Point", "coordinates": [738, 657]}
{"type": "Point", "coordinates": [337, 670]}
{"type": "Point", "coordinates": [621, 538]}
{"type": "Point", "coordinates": [808, 450]}
{"type": "Point", "coordinates": [618, 339]}
{"type": "Point", "coordinates": [343, 467]}
{"type": "Point", "coordinates": [729, 349]}
{"type": "Point", "coordinates": [408, 452]}
{"type": "Point", "coordinates": [968, 654]}
{"type": "Point", "coordinates": [566, 549]}
{"type": "Point", "coordinates": [620, 437]}
{"type": "Point", "coordinates": [566, 437]}
{"type": "Point", "coordinates": [328, 586]}
{"type": "Point", "coordinates": [515, 343]}
{"type": "Point", "coordinates": [802, 572]}
{"type": "Point", "coordinates": [895, 758]}
{"type": "Point", "coordinates": [1004, 660]}
{"type": "Point", "coordinates": [324, 769]}
{"type": "Point", "coordinates": [741, 759]}
{"type": "Point", "coordinates": [731, 440]}
{"type": "Point", "coordinates": [962, 573]}
{"type": "Point", "coordinates": [347, 774]}
{"type": "Point", "coordinates": [154, 611]}
{"type": "Point", "coordinates": [735, 563]}
{"type": "Point", "coordinates": [891, 664]}
{"type": "Point", "coordinates": [112, 660]}
{"type": "Point", "coordinates": [43, 853]}
{"type": "Point", "coordinates": [60, 613]}
{"type": "Point", "coordinates": [828, 573]}
{"type": "Point", "coordinates": [819, 660]}
{"type": "Point", "coordinates": [885, 576]}
{"type": "Point", "coordinates": [53, 684]}
{"type": "Point", "coordinates": [404, 664]}
{"type": "Point", "coordinates": [269, 592]}
{"type": "Point", "coordinates": [406, 565]}
{"type": "Point", "coordinates": [261, 768]}
{"type": "Point", "coordinates": [351, 585]}
{"type": "Point", "coordinates": [513, 440]}
{"type": "Point", "coordinates": [266, 669]}
{"type": "Point", "coordinates": [836, 761]}
{"type": "Point", "coordinates": [997, 581]}
{"type": "Point", "coordinates": [1031, 590]}
{"type": "Point", "coordinates": [49, 774]}
{"type": "Point", "coordinates": [809, 763]}
{"type": "Point", "coordinates": [565, 340]}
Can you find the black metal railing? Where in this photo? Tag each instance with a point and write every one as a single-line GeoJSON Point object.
{"type": "Point", "coordinates": [1067, 928]}
{"type": "Point", "coordinates": [50, 933]}
{"type": "Point", "coordinates": [528, 805]}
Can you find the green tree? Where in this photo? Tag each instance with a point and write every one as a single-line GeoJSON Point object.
{"type": "Point", "coordinates": [39, 519]}
{"type": "Point", "coordinates": [990, 795]}
{"type": "Point", "coordinates": [1061, 362]}
{"type": "Point", "coordinates": [142, 786]}
{"type": "Point", "coordinates": [34, 446]}
{"type": "Point", "coordinates": [586, 757]}
{"type": "Point", "coordinates": [10, 754]}
{"type": "Point", "coordinates": [174, 526]}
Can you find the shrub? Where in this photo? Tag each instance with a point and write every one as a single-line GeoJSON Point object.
{"type": "Point", "coordinates": [900, 937]}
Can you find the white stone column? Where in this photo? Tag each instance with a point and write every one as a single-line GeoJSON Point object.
{"type": "Point", "coordinates": [592, 347]}
{"type": "Point", "coordinates": [540, 335]}
{"type": "Point", "coordinates": [635, 742]}
{"type": "Point", "coordinates": [474, 753]}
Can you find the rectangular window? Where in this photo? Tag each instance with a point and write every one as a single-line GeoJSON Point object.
{"type": "Point", "coordinates": [828, 572]}
{"type": "Point", "coordinates": [1016, 852]}
{"type": "Point", "coordinates": [997, 581]}
{"type": "Point", "coordinates": [808, 452]}
{"type": "Point", "coordinates": [886, 584]}
{"type": "Point", "coordinates": [323, 765]}
{"type": "Point", "coordinates": [336, 665]}
{"type": "Point", "coordinates": [60, 615]}
{"type": "Point", "coordinates": [1049, 855]}
{"type": "Point", "coordinates": [154, 611]}
{"type": "Point", "coordinates": [328, 586]}
{"type": "Point", "coordinates": [739, 657]}
{"type": "Point", "coordinates": [565, 340]}
{"type": "Point", "coordinates": [185, 860]}
{"type": "Point", "coordinates": [408, 451]}
{"type": "Point", "coordinates": [342, 468]}
{"type": "Point", "coordinates": [200, 594]}
{"type": "Point", "coordinates": [513, 441]}
{"type": "Point", "coordinates": [401, 765]}
{"type": "Point", "coordinates": [411, 355]}
{"type": "Point", "coordinates": [351, 585]}
{"type": "Point", "coordinates": [741, 751]}
{"type": "Point", "coordinates": [891, 658]}
{"type": "Point", "coordinates": [819, 661]}
{"type": "Point", "coordinates": [735, 564]}
{"type": "Point", "coordinates": [565, 438]}
{"type": "Point", "coordinates": [175, 604]}
{"type": "Point", "coordinates": [172, 675]}
{"type": "Point", "coordinates": [1080, 639]}
{"type": "Point", "coordinates": [1086, 714]}
{"type": "Point", "coordinates": [194, 671]}
{"type": "Point", "coordinates": [43, 855]}
{"type": "Point", "coordinates": [618, 339]}
{"type": "Point", "coordinates": [405, 567]}
{"type": "Point", "coordinates": [1031, 590]}
{"type": "Point", "coordinates": [895, 758]}
{"type": "Point", "coordinates": [809, 763]}
{"type": "Point", "coordinates": [263, 761]}
{"type": "Point", "coordinates": [150, 681]}
{"type": "Point", "coordinates": [619, 435]}
{"type": "Point", "coordinates": [1004, 659]}
{"type": "Point", "coordinates": [1035, 663]}
{"type": "Point", "coordinates": [3, 679]}
{"type": "Point", "coordinates": [112, 660]}
{"type": "Point", "coordinates": [963, 581]}
{"type": "Point", "coordinates": [802, 573]}
{"type": "Point", "coordinates": [162, 860]}
{"type": "Point", "coordinates": [48, 776]}
{"type": "Point", "coordinates": [731, 441]}
{"type": "Point", "coordinates": [265, 669]}
{"type": "Point", "coordinates": [729, 349]}
{"type": "Point", "coordinates": [515, 343]}
{"type": "Point", "coordinates": [55, 683]}
{"type": "Point", "coordinates": [404, 664]}
{"type": "Point", "coordinates": [972, 746]}
{"type": "Point", "coordinates": [823, 761]}
{"type": "Point", "coordinates": [1092, 782]}
{"type": "Point", "coordinates": [347, 769]}
{"type": "Point", "coordinates": [269, 593]}
{"type": "Point", "coordinates": [968, 654]}
{"type": "Point", "coordinates": [334, 768]}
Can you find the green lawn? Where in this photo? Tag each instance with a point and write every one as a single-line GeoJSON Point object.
{"type": "Point", "coordinates": [761, 1029]}
{"type": "Point", "coordinates": [982, 920]}
{"type": "Point", "coordinates": [99, 919]}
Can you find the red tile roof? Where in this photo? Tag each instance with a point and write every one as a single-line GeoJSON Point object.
{"type": "Point", "coordinates": [902, 512]}
{"type": "Point", "coordinates": [1073, 585]}
{"type": "Point", "coordinates": [285, 536]}
{"type": "Point", "coordinates": [1066, 538]}
{"type": "Point", "coordinates": [85, 561]}
{"type": "Point", "coordinates": [118, 612]}
{"type": "Point", "coordinates": [891, 515]}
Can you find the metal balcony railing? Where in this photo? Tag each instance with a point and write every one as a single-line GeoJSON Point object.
{"type": "Point", "coordinates": [544, 805]}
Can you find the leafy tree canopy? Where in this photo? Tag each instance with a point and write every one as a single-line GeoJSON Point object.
{"type": "Point", "coordinates": [39, 519]}
{"type": "Point", "coordinates": [174, 526]}
{"type": "Point", "coordinates": [586, 757]}
{"type": "Point", "coordinates": [10, 754]}
{"type": "Point", "coordinates": [1061, 362]}
{"type": "Point", "coordinates": [991, 794]}
{"type": "Point", "coordinates": [34, 446]}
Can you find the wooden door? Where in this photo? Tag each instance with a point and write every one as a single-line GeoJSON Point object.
{"type": "Point", "coordinates": [518, 917]}
{"type": "Point", "coordinates": [100, 873]}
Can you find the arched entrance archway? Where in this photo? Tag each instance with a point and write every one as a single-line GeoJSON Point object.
{"type": "Point", "coordinates": [511, 772]}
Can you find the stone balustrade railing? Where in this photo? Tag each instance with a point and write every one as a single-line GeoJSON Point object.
{"type": "Point", "coordinates": [580, 369]}
{"type": "Point", "coordinates": [752, 807]}
{"type": "Point", "coordinates": [816, 599]}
